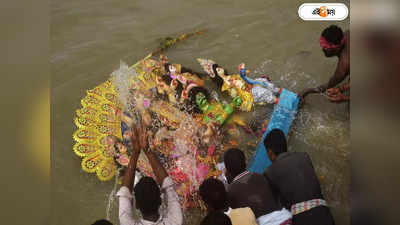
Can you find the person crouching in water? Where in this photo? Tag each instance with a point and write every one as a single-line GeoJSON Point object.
{"type": "Point", "coordinates": [334, 43]}
{"type": "Point", "coordinates": [292, 175]}
{"type": "Point", "coordinates": [213, 194]}
{"type": "Point", "coordinates": [146, 194]}
{"type": "Point", "coordinates": [252, 190]}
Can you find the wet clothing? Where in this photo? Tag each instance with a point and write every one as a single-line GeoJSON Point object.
{"type": "Point", "coordinates": [293, 179]}
{"type": "Point", "coordinates": [127, 203]}
{"type": "Point", "coordinates": [252, 190]}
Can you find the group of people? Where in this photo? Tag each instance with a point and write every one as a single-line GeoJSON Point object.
{"type": "Point", "coordinates": [288, 192]}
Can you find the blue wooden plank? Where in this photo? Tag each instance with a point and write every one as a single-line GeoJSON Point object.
{"type": "Point", "coordinates": [282, 118]}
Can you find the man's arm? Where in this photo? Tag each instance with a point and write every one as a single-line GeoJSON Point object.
{"type": "Point", "coordinates": [174, 211]}
{"type": "Point", "coordinates": [158, 169]}
{"type": "Point", "coordinates": [129, 176]}
{"type": "Point", "coordinates": [341, 72]}
{"type": "Point", "coordinates": [232, 197]}
{"type": "Point", "coordinates": [275, 191]}
{"type": "Point", "coordinates": [345, 87]}
{"type": "Point", "coordinates": [125, 193]}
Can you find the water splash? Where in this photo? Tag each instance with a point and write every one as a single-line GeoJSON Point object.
{"type": "Point", "coordinates": [111, 196]}
{"type": "Point", "coordinates": [120, 78]}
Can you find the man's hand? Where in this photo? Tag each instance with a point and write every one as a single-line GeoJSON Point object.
{"type": "Point", "coordinates": [332, 92]}
{"type": "Point", "coordinates": [337, 97]}
{"type": "Point", "coordinates": [129, 177]}
{"type": "Point", "coordinates": [143, 138]}
{"type": "Point", "coordinates": [135, 139]}
{"type": "Point", "coordinates": [141, 142]}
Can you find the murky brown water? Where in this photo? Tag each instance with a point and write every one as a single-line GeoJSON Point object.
{"type": "Point", "coordinates": [89, 38]}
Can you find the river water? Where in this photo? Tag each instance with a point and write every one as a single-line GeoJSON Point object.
{"type": "Point", "coordinates": [89, 38]}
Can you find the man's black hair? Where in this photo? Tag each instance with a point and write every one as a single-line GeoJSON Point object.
{"type": "Point", "coordinates": [235, 161]}
{"type": "Point", "coordinates": [102, 222]}
{"type": "Point", "coordinates": [192, 98]}
{"type": "Point", "coordinates": [147, 195]}
{"type": "Point", "coordinates": [333, 34]}
{"type": "Point", "coordinates": [276, 141]}
{"type": "Point", "coordinates": [216, 218]}
{"type": "Point", "coordinates": [213, 193]}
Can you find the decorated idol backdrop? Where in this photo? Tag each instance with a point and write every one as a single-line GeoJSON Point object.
{"type": "Point", "coordinates": [187, 123]}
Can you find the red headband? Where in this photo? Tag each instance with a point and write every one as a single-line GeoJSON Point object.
{"type": "Point", "coordinates": [325, 44]}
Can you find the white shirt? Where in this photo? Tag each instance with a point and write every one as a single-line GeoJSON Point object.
{"type": "Point", "coordinates": [172, 217]}
{"type": "Point", "coordinates": [275, 218]}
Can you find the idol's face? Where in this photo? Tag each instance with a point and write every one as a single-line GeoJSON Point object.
{"type": "Point", "coordinates": [201, 99]}
{"type": "Point", "coordinates": [172, 69]}
{"type": "Point", "coordinates": [220, 71]}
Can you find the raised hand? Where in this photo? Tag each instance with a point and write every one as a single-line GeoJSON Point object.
{"type": "Point", "coordinates": [143, 138]}
{"type": "Point", "coordinates": [134, 136]}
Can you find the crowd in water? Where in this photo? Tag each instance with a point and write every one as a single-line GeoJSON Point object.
{"type": "Point", "coordinates": [288, 192]}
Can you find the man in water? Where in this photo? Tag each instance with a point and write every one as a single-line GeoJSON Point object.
{"type": "Point", "coordinates": [334, 43]}
{"type": "Point", "coordinates": [147, 194]}
{"type": "Point", "coordinates": [293, 179]}
{"type": "Point", "coordinates": [252, 190]}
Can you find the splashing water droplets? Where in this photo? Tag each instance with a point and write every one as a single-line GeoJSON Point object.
{"type": "Point", "coordinates": [120, 78]}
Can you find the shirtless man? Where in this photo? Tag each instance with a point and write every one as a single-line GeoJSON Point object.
{"type": "Point", "coordinates": [334, 43]}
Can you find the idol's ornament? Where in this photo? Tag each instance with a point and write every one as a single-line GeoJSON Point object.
{"type": "Point", "coordinates": [258, 91]}
{"type": "Point", "coordinates": [96, 120]}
